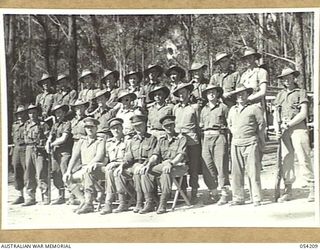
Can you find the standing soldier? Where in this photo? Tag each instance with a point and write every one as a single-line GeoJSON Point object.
{"type": "Point", "coordinates": [294, 135]}
{"type": "Point", "coordinates": [167, 161]}
{"type": "Point", "coordinates": [109, 81]}
{"type": "Point", "coordinates": [77, 124]}
{"type": "Point", "coordinates": [88, 86]}
{"type": "Point", "coordinates": [59, 145]}
{"type": "Point", "coordinates": [115, 152]}
{"type": "Point", "coordinates": [198, 79]}
{"type": "Point", "coordinates": [68, 94]}
{"type": "Point", "coordinates": [139, 150]}
{"type": "Point", "coordinates": [247, 126]}
{"type": "Point", "coordinates": [133, 80]}
{"type": "Point", "coordinates": [36, 165]}
{"type": "Point", "coordinates": [45, 99]}
{"type": "Point", "coordinates": [176, 74]}
{"type": "Point", "coordinates": [90, 151]}
{"type": "Point", "coordinates": [227, 78]}
{"type": "Point", "coordinates": [213, 121]}
{"type": "Point", "coordinates": [187, 123]}
{"type": "Point", "coordinates": [19, 152]}
{"type": "Point", "coordinates": [153, 72]}
{"type": "Point", "coordinates": [158, 110]}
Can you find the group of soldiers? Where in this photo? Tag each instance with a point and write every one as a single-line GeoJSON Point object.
{"type": "Point", "coordinates": [106, 143]}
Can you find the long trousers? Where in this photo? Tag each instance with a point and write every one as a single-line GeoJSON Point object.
{"type": "Point", "coordinates": [60, 162]}
{"type": "Point", "coordinates": [19, 166]}
{"type": "Point", "coordinates": [296, 141]}
{"type": "Point", "coordinates": [216, 160]}
{"type": "Point", "coordinates": [245, 158]}
{"type": "Point", "coordinates": [36, 171]}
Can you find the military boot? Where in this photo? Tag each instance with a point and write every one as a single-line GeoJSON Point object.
{"type": "Point", "coordinates": [107, 209]}
{"type": "Point", "coordinates": [194, 197]}
{"type": "Point", "coordinates": [149, 205]}
{"type": "Point", "coordinates": [45, 198]}
{"type": "Point", "coordinates": [163, 204]}
{"type": "Point", "coordinates": [287, 195]}
{"type": "Point", "coordinates": [139, 203]}
{"type": "Point", "coordinates": [60, 199]}
{"type": "Point", "coordinates": [124, 206]}
{"type": "Point", "coordinates": [224, 197]}
{"type": "Point", "coordinates": [311, 194]}
{"type": "Point", "coordinates": [31, 200]}
{"type": "Point", "coordinates": [17, 201]}
{"type": "Point", "coordinates": [213, 197]}
{"type": "Point", "coordinates": [87, 206]}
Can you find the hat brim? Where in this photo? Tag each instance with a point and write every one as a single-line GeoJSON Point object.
{"type": "Point", "coordinates": [225, 56]}
{"type": "Point", "coordinates": [88, 74]}
{"type": "Point", "coordinates": [133, 96]}
{"type": "Point", "coordinates": [249, 90]}
{"type": "Point", "coordinates": [294, 73]}
{"type": "Point", "coordinates": [204, 66]}
{"type": "Point", "coordinates": [168, 123]}
{"type": "Point", "coordinates": [107, 95]}
{"type": "Point", "coordinates": [115, 73]}
{"type": "Point", "coordinates": [63, 107]}
{"type": "Point", "coordinates": [80, 104]}
{"type": "Point", "coordinates": [40, 82]}
{"type": "Point", "coordinates": [181, 72]}
{"type": "Point", "coordinates": [138, 74]}
{"type": "Point", "coordinates": [219, 89]}
{"type": "Point", "coordinates": [36, 108]}
{"type": "Point", "coordinates": [138, 123]}
{"type": "Point", "coordinates": [64, 78]}
{"type": "Point", "coordinates": [256, 55]}
{"type": "Point", "coordinates": [164, 89]}
{"type": "Point", "coordinates": [158, 68]}
{"type": "Point", "coordinates": [189, 86]}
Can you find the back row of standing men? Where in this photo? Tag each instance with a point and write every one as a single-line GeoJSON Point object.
{"type": "Point", "coordinates": [157, 129]}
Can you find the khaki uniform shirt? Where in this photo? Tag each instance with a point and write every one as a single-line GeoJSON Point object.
{"type": "Point", "coordinates": [245, 124]}
{"type": "Point", "coordinates": [214, 117]}
{"type": "Point", "coordinates": [89, 148]}
{"type": "Point", "coordinates": [34, 133]}
{"type": "Point", "coordinates": [115, 150]}
{"type": "Point", "coordinates": [290, 102]}
{"type": "Point", "coordinates": [60, 128]}
{"type": "Point", "coordinates": [140, 149]}
{"type": "Point", "coordinates": [77, 128]}
{"type": "Point", "coordinates": [155, 113]}
{"type": "Point", "coordinates": [18, 133]}
{"type": "Point", "coordinates": [45, 101]}
{"type": "Point", "coordinates": [113, 100]}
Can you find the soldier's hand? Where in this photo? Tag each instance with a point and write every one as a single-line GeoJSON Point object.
{"type": "Point", "coordinates": [48, 148]}
{"type": "Point", "coordinates": [66, 177]}
{"type": "Point", "coordinates": [111, 165]}
{"type": "Point", "coordinates": [167, 168]}
{"type": "Point", "coordinates": [144, 169]}
{"type": "Point", "coordinates": [278, 135]}
{"type": "Point", "coordinates": [118, 171]}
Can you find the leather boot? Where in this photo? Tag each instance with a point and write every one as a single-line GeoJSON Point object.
{"type": "Point", "coordinates": [213, 197]}
{"type": "Point", "coordinates": [311, 194]}
{"type": "Point", "coordinates": [163, 204]}
{"type": "Point", "coordinates": [60, 199]}
{"type": "Point", "coordinates": [45, 199]}
{"type": "Point", "coordinates": [107, 209]}
{"type": "Point", "coordinates": [287, 195]}
{"type": "Point", "coordinates": [17, 201]}
{"type": "Point", "coordinates": [194, 198]}
{"type": "Point", "coordinates": [150, 204]}
{"type": "Point", "coordinates": [139, 204]}
{"type": "Point", "coordinates": [31, 200]}
{"type": "Point", "coordinates": [124, 206]}
{"type": "Point", "coordinates": [224, 197]}
{"type": "Point", "coordinates": [88, 206]}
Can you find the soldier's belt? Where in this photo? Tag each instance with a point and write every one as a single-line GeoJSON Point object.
{"type": "Point", "coordinates": [214, 132]}
{"type": "Point", "coordinates": [157, 129]}
{"type": "Point", "coordinates": [186, 131]}
{"type": "Point", "coordinates": [31, 144]}
{"type": "Point", "coordinates": [140, 160]}
{"type": "Point", "coordinates": [19, 144]}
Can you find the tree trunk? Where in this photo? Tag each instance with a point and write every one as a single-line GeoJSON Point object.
{"type": "Point", "coordinates": [72, 39]}
{"type": "Point", "coordinates": [299, 48]}
{"type": "Point", "coordinates": [97, 39]}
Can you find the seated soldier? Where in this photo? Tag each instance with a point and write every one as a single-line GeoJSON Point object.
{"type": "Point", "coordinates": [167, 161]}
{"type": "Point", "coordinates": [115, 151]}
{"type": "Point", "coordinates": [90, 151]}
{"type": "Point", "coordinates": [138, 151]}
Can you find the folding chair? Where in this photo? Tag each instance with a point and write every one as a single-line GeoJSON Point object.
{"type": "Point", "coordinates": [178, 182]}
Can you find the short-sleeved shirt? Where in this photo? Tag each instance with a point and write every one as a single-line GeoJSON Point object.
{"type": "Point", "coordinates": [140, 148]}
{"type": "Point", "coordinates": [168, 149]}
{"type": "Point", "coordinates": [89, 149]}
{"type": "Point", "coordinates": [77, 128]}
{"type": "Point", "coordinates": [125, 115]}
{"type": "Point", "coordinates": [149, 87]}
{"type": "Point", "coordinates": [290, 102]}
{"type": "Point", "coordinates": [113, 100]}
{"type": "Point", "coordinates": [34, 133]}
{"type": "Point", "coordinates": [45, 101]}
{"type": "Point", "coordinates": [199, 88]}
{"type": "Point", "coordinates": [87, 94]}
{"type": "Point", "coordinates": [104, 116]}
{"type": "Point", "coordinates": [115, 149]}
{"type": "Point", "coordinates": [245, 124]}
{"type": "Point", "coordinates": [215, 116]}
{"type": "Point", "coordinates": [60, 128]}
{"type": "Point", "coordinates": [70, 97]}
{"type": "Point", "coordinates": [18, 133]}
{"type": "Point", "coordinates": [228, 82]}
{"type": "Point", "coordinates": [187, 121]}
{"type": "Point", "coordinates": [155, 113]}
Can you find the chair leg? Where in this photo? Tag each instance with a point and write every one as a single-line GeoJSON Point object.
{"type": "Point", "coordinates": [179, 190]}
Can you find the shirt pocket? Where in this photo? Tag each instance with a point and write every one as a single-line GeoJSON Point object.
{"type": "Point", "coordinates": [145, 150]}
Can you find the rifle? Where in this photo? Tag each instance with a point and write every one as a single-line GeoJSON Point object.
{"type": "Point", "coordinates": [49, 176]}
{"type": "Point", "coordinates": [279, 158]}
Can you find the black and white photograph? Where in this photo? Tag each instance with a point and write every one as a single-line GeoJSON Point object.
{"type": "Point", "coordinates": [159, 118]}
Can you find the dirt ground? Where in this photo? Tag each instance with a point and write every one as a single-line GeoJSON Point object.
{"type": "Point", "coordinates": [295, 213]}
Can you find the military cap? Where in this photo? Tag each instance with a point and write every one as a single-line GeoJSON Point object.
{"type": "Point", "coordinates": [156, 67]}
{"type": "Point", "coordinates": [125, 93]}
{"type": "Point", "coordinates": [196, 66]}
{"type": "Point", "coordinates": [103, 130]}
{"type": "Point", "coordinates": [168, 119]}
{"type": "Point", "coordinates": [240, 89]}
{"type": "Point", "coordinates": [220, 56]}
{"type": "Point", "coordinates": [32, 106]}
{"type": "Point", "coordinates": [108, 72]}
{"type": "Point", "coordinates": [138, 119]}
{"type": "Point", "coordinates": [45, 77]}
{"type": "Point", "coordinates": [90, 122]}
{"type": "Point", "coordinates": [114, 121]}
{"type": "Point", "coordinates": [188, 86]}
{"type": "Point", "coordinates": [20, 109]}
{"type": "Point", "coordinates": [165, 90]}
{"type": "Point", "coordinates": [131, 73]}
{"type": "Point", "coordinates": [211, 86]}
{"type": "Point", "coordinates": [288, 71]}
{"type": "Point", "coordinates": [62, 77]}
{"type": "Point", "coordinates": [180, 70]}
{"type": "Point", "coordinates": [85, 73]}
{"type": "Point", "coordinates": [249, 52]}
{"type": "Point", "coordinates": [104, 92]}
{"type": "Point", "coordinates": [79, 102]}
{"type": "Point", "coordinates": [62, 106]}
